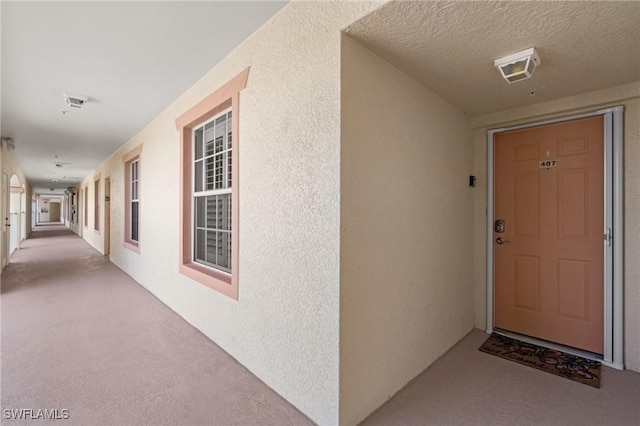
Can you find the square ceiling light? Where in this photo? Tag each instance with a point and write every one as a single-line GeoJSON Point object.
{"type": "Point", "coordinates": [518, 66]}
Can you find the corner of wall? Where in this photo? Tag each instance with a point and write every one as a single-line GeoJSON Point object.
{"type": "Point", "coordinates": [406, 283]}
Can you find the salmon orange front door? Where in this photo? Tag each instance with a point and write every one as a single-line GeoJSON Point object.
{"type": "Point", "coordinates": [549, 257]}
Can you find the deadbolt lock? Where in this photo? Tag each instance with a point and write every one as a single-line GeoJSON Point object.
{"type": "Point", "coordinates": [499, 226]}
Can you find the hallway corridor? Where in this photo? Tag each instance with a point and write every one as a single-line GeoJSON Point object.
{"type": "Point", "coordinates": [79, 334]}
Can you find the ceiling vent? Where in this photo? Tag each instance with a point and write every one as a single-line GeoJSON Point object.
{"type": "Point", "coordinates": [75, 101]}
{"type": "Point", "coordinates": [518, 66]}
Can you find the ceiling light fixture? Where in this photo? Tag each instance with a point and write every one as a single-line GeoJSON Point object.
{"type": "Point", "coordinates": [75, 101]}
{"type": "Point", "coordinates": [518, 66]}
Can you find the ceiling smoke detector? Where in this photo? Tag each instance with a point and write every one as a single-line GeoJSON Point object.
{"type": "Point", "coordinates": [75, 101]}
{"type": "Point", "coordinates": [518, 66]}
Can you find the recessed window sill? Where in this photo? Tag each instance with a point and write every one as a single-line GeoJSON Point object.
{"type": "Point", "coordinates": [212, 278]}
{"type": "Point", "coordinates": [134, 247]}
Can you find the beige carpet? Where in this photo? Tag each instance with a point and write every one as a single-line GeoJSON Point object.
{"type": "Point", "coordinates": [469, 387]}
{"type": "Point", "coordinates": [79, 334]}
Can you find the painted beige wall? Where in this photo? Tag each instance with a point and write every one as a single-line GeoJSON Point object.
{"type": "Point", "coordinates": [294, 326]}
{"type": "Point", "coordinates": [9, 166]}
{"type": "Point", "coordinates": [285, 326]}
{"type": "Point", "coordinates": [406, 266]}
{"type": "Point", "coordinates": [54, 211]}
{"type": "Point", "coordinates": [627, 95]}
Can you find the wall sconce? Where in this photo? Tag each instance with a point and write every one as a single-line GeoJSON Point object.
{"type": "Point", "coordinates": [518, 66]}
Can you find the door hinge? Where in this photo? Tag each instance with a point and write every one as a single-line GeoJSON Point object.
{"type": "Point", "coordinates": [608, 237]}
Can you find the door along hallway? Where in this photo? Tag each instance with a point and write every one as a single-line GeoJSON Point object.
{"type": "Point", "coordinates": [80, 335]}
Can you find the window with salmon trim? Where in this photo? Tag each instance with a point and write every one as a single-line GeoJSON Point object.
{"type": "Point", "coordinates": [96, 204]}
{"type": "Point", "coordinates": [131, 162]}
{"type": "Point", "coordinates": [208, 188]}
{"type": "Point", "coordinates": [85, 203]}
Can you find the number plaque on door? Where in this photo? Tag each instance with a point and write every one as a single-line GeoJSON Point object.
{"type": "Point", "coordinates": [547, 164]}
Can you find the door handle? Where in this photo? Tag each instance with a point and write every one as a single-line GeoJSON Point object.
{"type": "Point", "coordinates": [608, 237]}
{"type": "Point", "coordinates": [501, 240]}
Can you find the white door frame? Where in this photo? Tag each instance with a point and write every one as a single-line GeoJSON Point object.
{"type": "Point", "coordinates": [14, 232]}
{"type": "Point", "coordinates": [23, 216]}
{"type": "Point", "coordinates": [613, 227]}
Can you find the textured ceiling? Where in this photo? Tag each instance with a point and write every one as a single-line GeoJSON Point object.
{"type": "Point", "coordinates": [450, 46]}
{"type": "Point", "coordinates": [132, 59]}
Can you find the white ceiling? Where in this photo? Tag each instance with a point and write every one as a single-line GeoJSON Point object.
{"type": "Point", "coordinates": [450, 46]}
{"type": "Point", "coordinates": [132, 59]}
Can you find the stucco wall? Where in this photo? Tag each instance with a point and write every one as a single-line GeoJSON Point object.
{"type": "Point", "coordinates": [284, 328]}
{"type": "Point", "coordinates": [9, 166]}
{"type": "Point", "coordinates": [628, 96]}
{"type": "Point", "coordinates": [406, 258]}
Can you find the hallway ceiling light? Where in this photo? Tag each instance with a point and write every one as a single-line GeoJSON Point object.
{"type": "Point", "coordinates": [518, 66]}
{"type": "Point", "coordinates": [75, 101]}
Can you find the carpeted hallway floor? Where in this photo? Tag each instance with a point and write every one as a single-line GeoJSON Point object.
{"type": "Point", "coordinates": [469, 387]}
{"type": "Point", "coordinates": [79, 334]}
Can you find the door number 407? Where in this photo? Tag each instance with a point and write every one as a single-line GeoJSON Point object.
{"type": "Point", "coordinates": [546, 164]}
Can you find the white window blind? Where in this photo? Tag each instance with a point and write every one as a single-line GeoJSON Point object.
{"type": "Point", "coordinates": [212, 193]}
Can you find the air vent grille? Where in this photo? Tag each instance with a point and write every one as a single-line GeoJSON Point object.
{"type": "Point", "coordinates": [75, 101]}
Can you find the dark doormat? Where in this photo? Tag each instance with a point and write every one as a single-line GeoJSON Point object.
{"type": "Point", "coordinates": [561, 364]}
